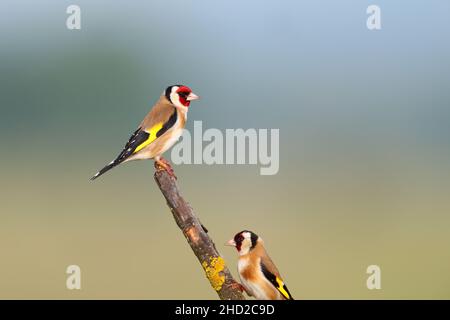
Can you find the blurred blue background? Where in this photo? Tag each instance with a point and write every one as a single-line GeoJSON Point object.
{"type": "Point", "coordinates": [364, 144]}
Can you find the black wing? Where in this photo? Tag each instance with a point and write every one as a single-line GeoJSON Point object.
{"type": "Point", "coordinates": [137, 138]}
{"type": "Point", "coordinates": [277, 282]}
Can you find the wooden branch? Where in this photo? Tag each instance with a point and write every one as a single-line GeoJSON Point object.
{"type": "Point", "coordinates": [204, 248]}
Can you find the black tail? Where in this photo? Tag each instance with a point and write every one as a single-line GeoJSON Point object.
{"type": "Point", "coordinates": [106, 168]}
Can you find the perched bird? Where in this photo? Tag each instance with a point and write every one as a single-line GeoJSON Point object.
{"type": "Point", "coordinates": [159, 130]}
{"type": "Point", "coordinates": [259, 276]}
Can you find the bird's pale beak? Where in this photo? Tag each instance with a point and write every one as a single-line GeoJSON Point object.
{"type": "Point", "coordinates": [231, 243]}
{"type": "Point", "coordinates": [192, 96]}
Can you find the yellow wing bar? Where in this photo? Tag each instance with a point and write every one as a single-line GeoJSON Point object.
{"type": "Point", "coordinates": [151, 137]}
{"type": "Point", "coordinates": [282, 289]}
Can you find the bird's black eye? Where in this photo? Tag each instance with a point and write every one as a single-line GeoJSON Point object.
{"type": "Point", "coordinates": [183, 94]}
{"type": "Point", "coordinates": [239, 238]}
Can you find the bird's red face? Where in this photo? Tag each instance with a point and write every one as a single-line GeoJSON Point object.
{"type": "Point", "coordinates": [180, 95]}
{"type": "Point", "coordinates": [244, 241]}
{"type": "Point", "coordinates": [186, 95]}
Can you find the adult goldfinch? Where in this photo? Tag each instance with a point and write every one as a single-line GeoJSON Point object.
{"type": "Point", "coordinates": [259, 276]}
{"type": "Point", "coordinates": [159, 130]}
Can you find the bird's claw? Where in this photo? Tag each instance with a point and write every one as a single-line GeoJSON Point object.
{"type": "Point", "coordinates": [237, 286]}
{"type": "Point", "coordinates": [163, 165]}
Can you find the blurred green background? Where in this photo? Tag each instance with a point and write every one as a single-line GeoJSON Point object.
{"type": "Point", "coordinates": [364, 119]}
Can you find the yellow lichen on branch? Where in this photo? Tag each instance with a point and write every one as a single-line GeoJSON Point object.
{"type": "Point", "coordinates": [197, 236]}
{"type": "Point", "coordinates": [214, 273]}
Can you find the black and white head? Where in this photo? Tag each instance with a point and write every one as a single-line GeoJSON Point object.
{"type": "Point", "coordinates": [244, 241]}
{"type": "Point", "coordinates": [180, 96]}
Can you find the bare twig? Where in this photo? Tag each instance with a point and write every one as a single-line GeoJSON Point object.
{"type": "Point", "coordinates": [216, 271]}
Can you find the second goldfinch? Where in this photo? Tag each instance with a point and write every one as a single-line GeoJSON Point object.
{"type": "Point", "coordinates": [159, 130]}
{"type": "Point", "coordinates": [259, 275]}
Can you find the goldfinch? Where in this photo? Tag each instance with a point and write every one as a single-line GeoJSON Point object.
{"type": "Point", "coordinates": [259, 276]}
{"type": "Point", "coordinates": [159, 130]}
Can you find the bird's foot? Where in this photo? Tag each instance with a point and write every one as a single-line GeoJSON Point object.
{"type": "Point", "coordinates": [237, 286]}
{"type": "Point", "coordinates": [164, 165]}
